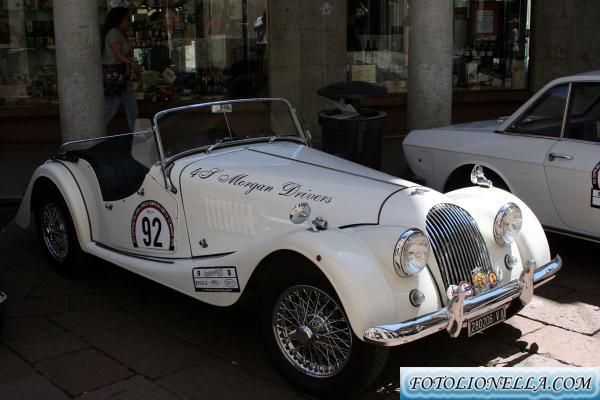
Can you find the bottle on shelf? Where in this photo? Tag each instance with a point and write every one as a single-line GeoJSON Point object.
{"type": "Point", "coordinates": [373, 51]}
{"type": "Point", "coordinates": [490, 54]}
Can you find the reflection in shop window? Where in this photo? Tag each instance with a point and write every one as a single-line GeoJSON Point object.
{"type": "Point", "coordinates": [189, 50]}
{"type": "Point", "coordinates": [491, 44]}
{"type": "Point", "coordinates": [27, 52]}
{"type": "Point", "coordinates": [378, 42]}
{"type": "Point", "coordinates": [200, 49]}
{"type": "Point", "coordinates": [490, 50]}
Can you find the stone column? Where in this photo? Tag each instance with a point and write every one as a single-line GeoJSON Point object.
{"type": "Point", "coordinates": [78, 59]}
{"type": "Point", "coordinates": [307, 50]}
{"type": "Point", "coordinates": [430, 63]}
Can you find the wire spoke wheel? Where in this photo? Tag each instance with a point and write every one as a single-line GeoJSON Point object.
{"type": "Point", "coordinates": [312, 331]}
{"type": "Point", "coordinates": [54, 231]}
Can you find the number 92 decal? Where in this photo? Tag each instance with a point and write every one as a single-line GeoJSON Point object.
{"type": "Point", "coordinates": [152, 227]}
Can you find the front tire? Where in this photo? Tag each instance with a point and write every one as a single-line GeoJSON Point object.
{"type": "Point", "coordinates": [308, 337]}
{"type": "Point", "coordinates": [57, 233]}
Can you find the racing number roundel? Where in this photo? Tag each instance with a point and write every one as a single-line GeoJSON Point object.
{"type": "Point", "coordinates": [152, 227]}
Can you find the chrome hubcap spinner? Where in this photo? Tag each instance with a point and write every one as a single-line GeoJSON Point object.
{"type": "Point", "coordinates": [312, 331]}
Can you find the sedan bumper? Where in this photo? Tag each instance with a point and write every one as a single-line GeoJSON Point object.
{"type": "Point", "coordinates": [460, 309]}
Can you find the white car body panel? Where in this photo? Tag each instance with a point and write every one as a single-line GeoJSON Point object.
{"type": "Point", "coordinates": [231, 216]}
{"type": "Point", "coordinates": [557, 191]}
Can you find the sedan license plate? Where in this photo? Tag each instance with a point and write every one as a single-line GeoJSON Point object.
{"type": "Point", "coordinates": [479, 324]}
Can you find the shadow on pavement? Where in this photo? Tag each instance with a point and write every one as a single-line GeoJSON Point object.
{"type": "Point", "coordinates": [139, 322]}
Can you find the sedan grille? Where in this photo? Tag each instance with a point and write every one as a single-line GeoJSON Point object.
{"type": "Point", "coordinates": [457, 244]}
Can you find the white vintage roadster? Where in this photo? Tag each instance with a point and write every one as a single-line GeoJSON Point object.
{"type": "Point", "coordinates": [223, 199]}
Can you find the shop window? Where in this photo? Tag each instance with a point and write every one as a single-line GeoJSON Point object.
{"type": "Point", "coordinates": [491, 44]}
{"type": "Point", "coordinates": [27, 52]}
{"type": "Point", "coordinates": [200, 49]}
{"type": "Point", "coordinates": [378, 42]}
{"type": "Point", "coordinates": [189, 50]}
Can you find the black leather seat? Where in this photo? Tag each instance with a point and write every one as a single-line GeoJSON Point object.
{"type": "Point", "coordinates": [118, 174]}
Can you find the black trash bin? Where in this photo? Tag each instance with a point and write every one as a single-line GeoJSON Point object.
{"type": "Point", "coordinates": [358, 138]}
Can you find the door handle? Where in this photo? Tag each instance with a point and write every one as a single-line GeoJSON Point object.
{"type": "Point", "coordinates": [554, 156]}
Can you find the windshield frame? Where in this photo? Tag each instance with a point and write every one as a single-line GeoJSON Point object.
{"type": "Point", "coordinates": [167, 163]}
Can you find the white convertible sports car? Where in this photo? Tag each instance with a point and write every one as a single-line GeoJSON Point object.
{"type": "Point", "coordinates": [226, 199]}
{"type": "Point", "coordinates": [547, 153]}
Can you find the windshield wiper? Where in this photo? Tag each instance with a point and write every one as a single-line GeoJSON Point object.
{"type": "Point", "coordinates": [218, 143]}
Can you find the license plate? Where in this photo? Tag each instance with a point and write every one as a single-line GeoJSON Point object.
{"type": "Point", "coordinates": [479, 324]}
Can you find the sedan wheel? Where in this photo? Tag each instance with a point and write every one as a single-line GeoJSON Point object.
{"type": "Point", "coordinates": [312, 331]}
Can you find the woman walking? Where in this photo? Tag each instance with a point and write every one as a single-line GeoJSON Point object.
{"type": "Point", "coordinates": [117, 67]}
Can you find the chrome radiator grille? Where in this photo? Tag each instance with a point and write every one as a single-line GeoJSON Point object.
{"type": "Point", "coordinates": [457, 243]}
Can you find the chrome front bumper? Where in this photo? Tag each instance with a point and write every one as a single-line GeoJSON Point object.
{"type": "Point", "coordinates": [460, 309]}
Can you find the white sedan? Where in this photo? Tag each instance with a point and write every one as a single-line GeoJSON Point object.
{"type": "Point", "coordinates": [547, 153]}
{"type": "Point", "coordinates": [226, 199]}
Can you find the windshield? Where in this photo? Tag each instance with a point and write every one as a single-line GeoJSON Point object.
{"type": "Point", "coordinates": [202, 126]}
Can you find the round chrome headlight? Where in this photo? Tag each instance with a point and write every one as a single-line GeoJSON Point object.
{"type": "Point", "coordinates": [507, 224]}
{"type": "Point", "coordinates": [411, 253]}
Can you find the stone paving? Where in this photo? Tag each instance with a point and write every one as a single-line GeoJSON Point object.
{"type": "Point", "coordinates": [114, 335]}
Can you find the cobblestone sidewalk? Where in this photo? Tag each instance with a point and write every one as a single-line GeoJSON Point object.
{"type": "Point", "coordinates": [114, 335]}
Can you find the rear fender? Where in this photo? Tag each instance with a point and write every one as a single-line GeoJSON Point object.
{"type": "Point", "coordinates": [57, 173]}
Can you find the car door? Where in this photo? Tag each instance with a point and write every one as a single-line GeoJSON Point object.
{"type": "Point", "coordinates": [528, 141]}
{"type": "Point", "coordinates": [573, 164]}
{"type": "Point", "coordinates": [136, 213]}
{"type": "Point", "coordinates": [145, 222]}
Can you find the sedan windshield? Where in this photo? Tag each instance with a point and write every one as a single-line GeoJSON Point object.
{"type": "Point", "coordinates": [208, 126]}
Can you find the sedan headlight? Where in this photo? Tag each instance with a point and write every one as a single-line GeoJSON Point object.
{"type": "Point", "coordinates": [507, 224]}
{"type": "Point", "coordinates": [411, 253]}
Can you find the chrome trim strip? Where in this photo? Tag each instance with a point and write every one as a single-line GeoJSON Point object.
{"type": "Point", "coordinates": [572, 234]}
{"type": "Point", "coordinates": [454, 317]}
{"type": "Point", "coordinates": [567, 111]}
{"type": "Point", "coordinates": [96, 139]}
{"type": "Point", "coordinates": [529, 135]}
{"type": "Point", "coordinates": [586, 142]}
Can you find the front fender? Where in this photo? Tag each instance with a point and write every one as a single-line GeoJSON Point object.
{"type": "Point", "coordinates": [62, 178]}
{"type": "Point", "coordinates": [484, 204]}
{"type": "Point", "coordinates": [370, 291]}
